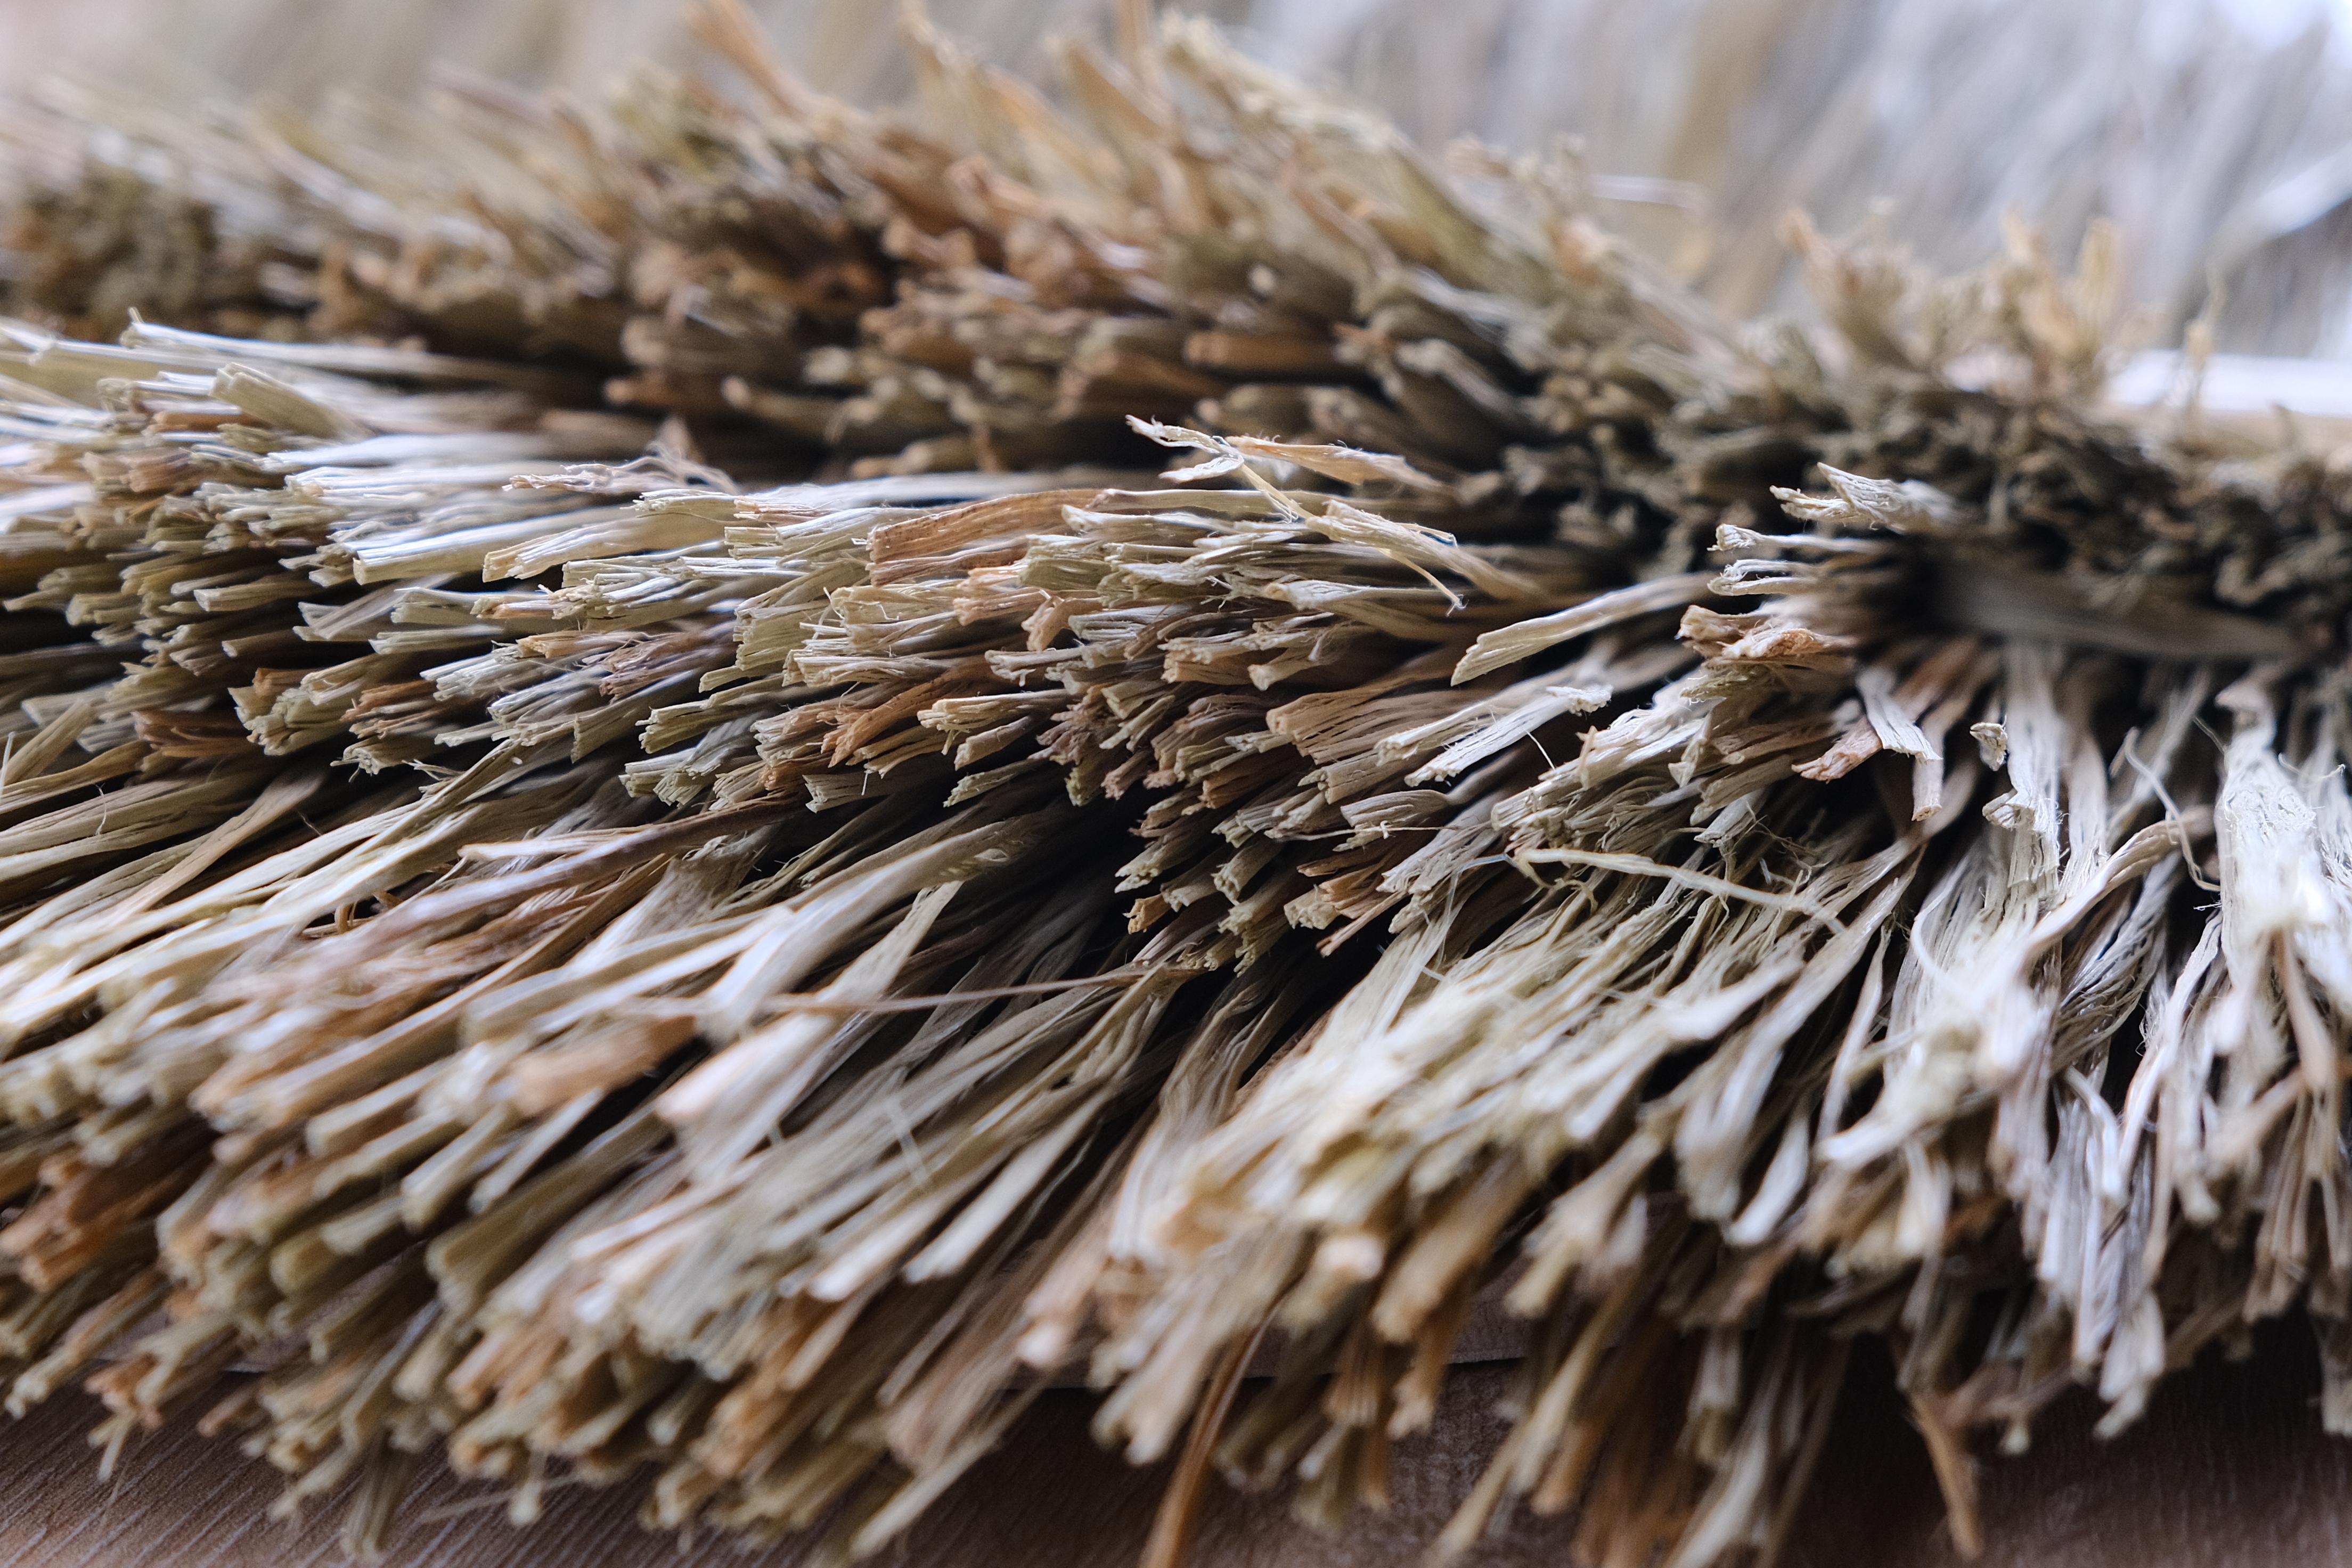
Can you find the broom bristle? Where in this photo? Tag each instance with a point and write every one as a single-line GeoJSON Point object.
{"type": "Point", "coordinates": [638, 840]}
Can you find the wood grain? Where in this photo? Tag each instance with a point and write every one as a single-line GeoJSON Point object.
{"type": "Point", "coordinates": [2228, 1469]}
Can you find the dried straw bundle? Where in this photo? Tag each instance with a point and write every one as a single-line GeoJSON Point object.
{"type": "Point", "coordinates": [1713, 836]}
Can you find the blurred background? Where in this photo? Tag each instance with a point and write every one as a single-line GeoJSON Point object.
{"type": "Point", "coordinates": [2218, 133]}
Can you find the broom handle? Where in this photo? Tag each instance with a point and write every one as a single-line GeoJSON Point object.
{"type": "Point", "coordinates": [2238, 386]}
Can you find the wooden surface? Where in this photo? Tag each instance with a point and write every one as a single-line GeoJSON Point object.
{"type": "Point", "coordinates": [2228, 1469]}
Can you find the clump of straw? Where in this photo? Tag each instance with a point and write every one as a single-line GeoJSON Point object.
{"type": "Point", "coordinates": [640, 838]}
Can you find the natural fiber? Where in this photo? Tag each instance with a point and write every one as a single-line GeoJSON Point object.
{"type": "Point", "coordinates": [641, 840]}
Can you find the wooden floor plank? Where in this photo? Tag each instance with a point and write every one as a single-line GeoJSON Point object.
{"type": "Point", "coordinates": [2229, 1470]}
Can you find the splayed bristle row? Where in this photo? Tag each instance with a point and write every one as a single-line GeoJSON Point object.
{"type": "Point", "coordinates": [707, 792]}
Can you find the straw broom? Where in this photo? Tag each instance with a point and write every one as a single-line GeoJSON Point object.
{"type": "Point", "coordinates": [768, 952]}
